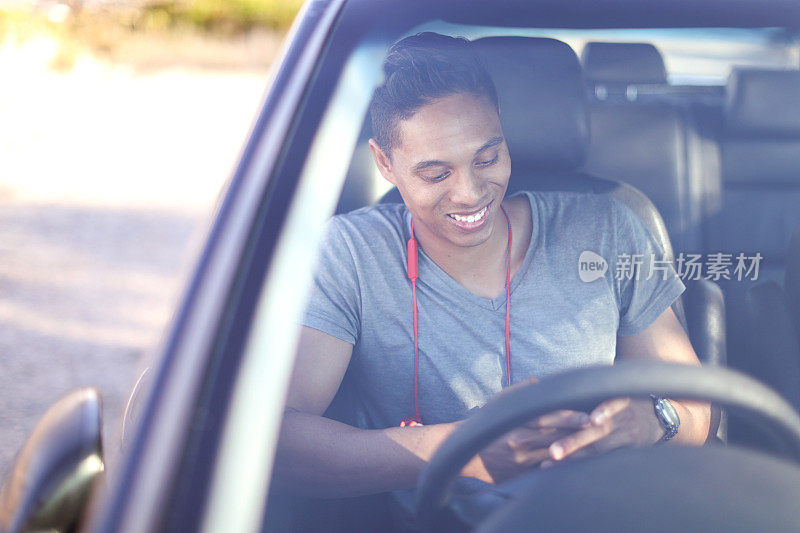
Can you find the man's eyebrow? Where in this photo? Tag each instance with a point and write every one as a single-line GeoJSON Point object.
{"type": "Point", "coordinates": [422, 165]}
{"type": "Point", "coordinates": [492, 142]}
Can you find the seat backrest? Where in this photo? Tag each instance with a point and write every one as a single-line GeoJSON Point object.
{"type": "Point", "coordinates": [760, 155]}
{"type": "Point", "coordinates": [643, 142]}
{"type": "Point", "coordinates": [759, 146]}
{"type": "Point", "coordinates": [540, 82]}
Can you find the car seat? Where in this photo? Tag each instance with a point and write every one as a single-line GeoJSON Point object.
{"type": "Point", "coordinates": [773, 346]}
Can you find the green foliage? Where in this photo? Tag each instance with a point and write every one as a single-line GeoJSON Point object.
{"type": "Point", "coordinates": [221, 16]}
{"type": "Point", "coordinates": [156, 32]}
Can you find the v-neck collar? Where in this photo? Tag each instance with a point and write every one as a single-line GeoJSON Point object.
{"type": "Point", "coordinates": [428, 265]}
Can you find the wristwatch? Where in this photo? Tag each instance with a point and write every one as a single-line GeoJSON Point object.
{"type": "Point", "coordinates": [667, 415]}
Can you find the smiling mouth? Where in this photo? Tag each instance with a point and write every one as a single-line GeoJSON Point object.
{"type": "Point", "coordinates": [470, 218]}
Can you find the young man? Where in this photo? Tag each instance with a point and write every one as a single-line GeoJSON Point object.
{"type": "Point", "coordinates": [439, 140]}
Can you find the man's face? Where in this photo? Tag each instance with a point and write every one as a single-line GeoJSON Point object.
{"type": "Point", "coordinates": [451, 166]}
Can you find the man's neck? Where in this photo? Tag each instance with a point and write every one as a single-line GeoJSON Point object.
{"type": "Point", "coordinates": [480, 269]}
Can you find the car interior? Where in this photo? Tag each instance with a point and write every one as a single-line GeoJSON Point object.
{"type": "Point", "coordinates": [709, 167]}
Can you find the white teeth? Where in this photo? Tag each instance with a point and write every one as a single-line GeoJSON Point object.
{"type": "Point", "coordinates": [471, 218]}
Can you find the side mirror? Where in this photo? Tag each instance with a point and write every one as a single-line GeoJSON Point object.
{"type": "Point", "coordinates": [50, 481]}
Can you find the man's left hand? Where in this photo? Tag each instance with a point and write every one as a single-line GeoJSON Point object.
{"type": "Point", "coordinates": [617, 423]}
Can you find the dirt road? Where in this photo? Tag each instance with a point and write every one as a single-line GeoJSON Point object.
{"type": "Point", "coordinates": [86, 293]}
{"type": "Point", "coordinates": [107, 181]}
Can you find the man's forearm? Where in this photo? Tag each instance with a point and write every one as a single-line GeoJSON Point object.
{"type": "Point", "coordinates": [695, 421]}
{"type": "Point", "coordinates": [321, 457]}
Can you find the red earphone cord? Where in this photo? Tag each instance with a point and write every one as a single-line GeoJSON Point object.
{"type": "Point", "coordinates": [413, 274]}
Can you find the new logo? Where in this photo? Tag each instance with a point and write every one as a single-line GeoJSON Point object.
{"type": "Point", "coordinates": [591, 266]}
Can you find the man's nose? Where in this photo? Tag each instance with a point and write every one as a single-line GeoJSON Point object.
{"type": "Point", "coordinates": [467, 189]}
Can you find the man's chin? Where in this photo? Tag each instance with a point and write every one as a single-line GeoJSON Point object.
{"type": "Point", "coordinates": [470, 239]}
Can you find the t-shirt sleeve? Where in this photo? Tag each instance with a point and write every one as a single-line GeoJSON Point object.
{"type": "Point", "coordinates": [645, 281]}
{"type": "Point", "coordinates": [334, 306]}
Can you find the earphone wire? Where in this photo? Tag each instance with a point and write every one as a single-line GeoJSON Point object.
{"type": "Point", "coordinates": [508, 300]}
{"type": "Point", "coordinates": [413, 274]}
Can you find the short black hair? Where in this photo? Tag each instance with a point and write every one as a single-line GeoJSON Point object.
{"type": "Point", "coordinates": [420, 69]}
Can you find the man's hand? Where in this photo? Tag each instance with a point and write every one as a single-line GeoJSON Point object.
{"type": "Point", "coordinates": [526, 446]}
{"type": "Point", "coordinates": [632, 422]}
{"type": "Point", "coordinates": [617, 423]}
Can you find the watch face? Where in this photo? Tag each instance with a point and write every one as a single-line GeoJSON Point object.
{"type": "Point", "coordinates": [667, 413]}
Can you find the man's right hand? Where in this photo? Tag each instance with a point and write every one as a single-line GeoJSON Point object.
{"type": "Point", "coordinates": [524, 447]}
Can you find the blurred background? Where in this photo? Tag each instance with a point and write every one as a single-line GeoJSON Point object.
{"type": "Point", "coordinates": [120, 121]}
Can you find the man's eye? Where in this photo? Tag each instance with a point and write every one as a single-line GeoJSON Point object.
{"type": "Point", "coordinates": [487, 162]}
{"type": "Point", "coordinates": [440, 177]}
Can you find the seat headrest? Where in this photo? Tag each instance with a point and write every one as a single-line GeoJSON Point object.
{"type": "Point", "coordinates": [543, 107]}
{"type": "Point", "coordinates": [619, 63]}
{"type": "Point", "coordinates": [763, 103]}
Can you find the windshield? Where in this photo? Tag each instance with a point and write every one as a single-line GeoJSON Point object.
{"type": "Point", "coordinates": [517, 203]}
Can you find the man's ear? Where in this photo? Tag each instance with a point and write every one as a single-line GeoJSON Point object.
{"type": "Point", "coordinates": [382, 161]}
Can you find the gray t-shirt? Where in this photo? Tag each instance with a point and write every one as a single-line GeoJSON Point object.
{"type": "Point", "coordinates": [362, 295]}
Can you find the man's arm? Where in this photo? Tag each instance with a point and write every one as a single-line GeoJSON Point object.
{"type": "Point", "coordinates": [666, 341]}
{"type": "Point", "coordinates": [631, 421]}
{"type": "Point", "coordinates": [319, 456]}
{"type": "Point", "coordinates": [322, 457]}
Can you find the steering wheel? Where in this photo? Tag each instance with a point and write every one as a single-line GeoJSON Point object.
{"type": "Point", "coordinates": [708, 473]}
